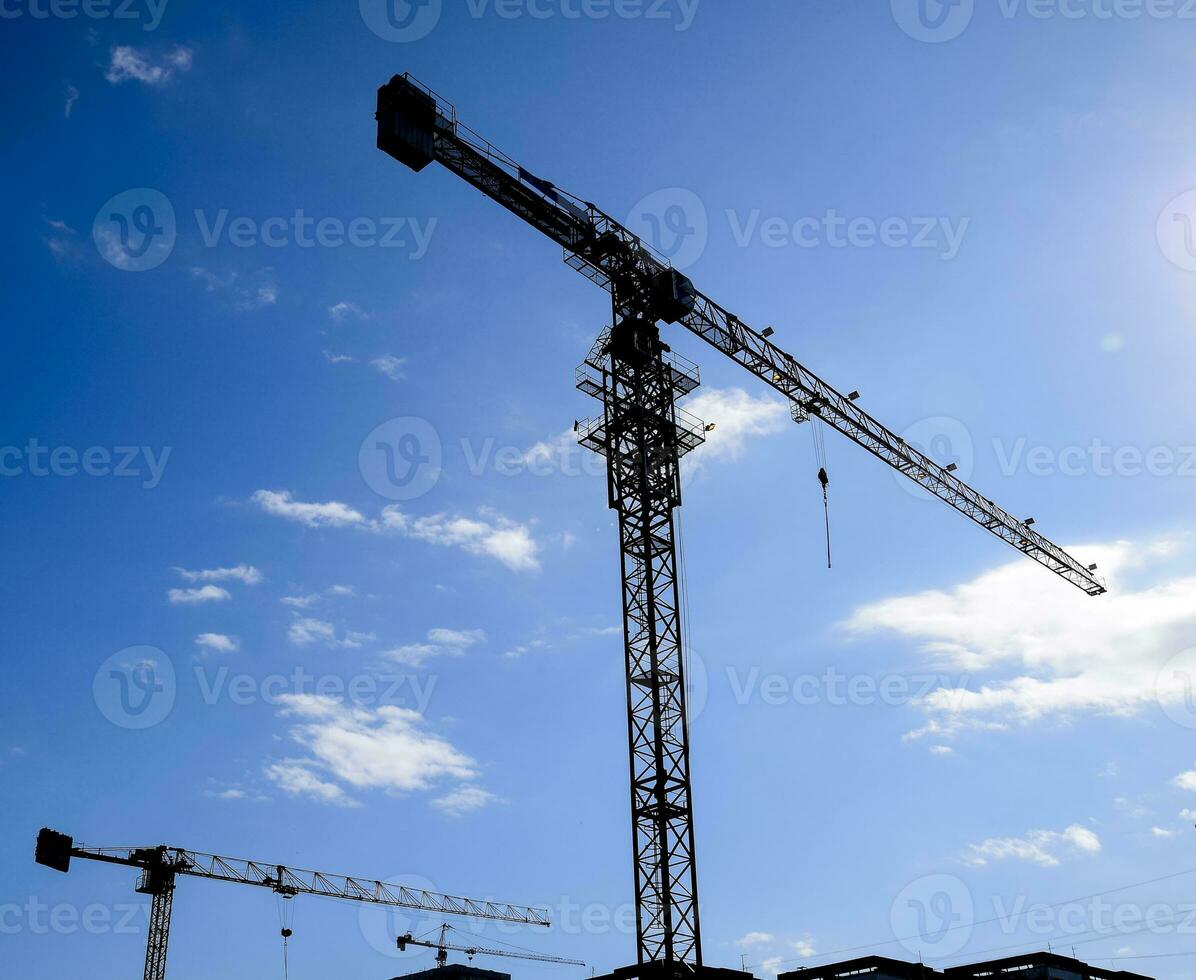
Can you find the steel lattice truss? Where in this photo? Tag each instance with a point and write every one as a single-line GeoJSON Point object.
{"type": "Point", "coordinates": [293, 881]}
{"type": "Point", "coordinates": [158, 941]}
{"type": "Point", "coordinates": [643, 435]}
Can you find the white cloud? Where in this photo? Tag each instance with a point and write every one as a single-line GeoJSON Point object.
{"type": "Point", "coordinates": [464, 799]}
{"type": "Point", "coordinates": [344, 310]}
{"type": "Point", "coordinates": [804, 948]}
{"type": "Point", "coordinates": [942, 750]}
{"type": "Point", "coordinates": [441, 643]}
{"type": "Point", "coordinates": [72, 96]}
{"type": "Point", "coordinates": [1185, 780]}
{"type": "Point", "coordinates": [1057, 652]}
{"type": "Point", "coordinates": [281, 503]}
{"type": "Point", "coordinates": [755, 939]}
{"type": "Point", "coordinates": [305, 631]}
{"type": "Point", "coordinates": [390, 366]}
{"type": "Point", "coordinates": [737, 417]}
{"type": "Point", "coordinates": [299, 601]}
{"type": "Point", "coordinates": [246, 574]}
{"type": "Point", "coordinates": [296, 778]}
{"type": "Point", "coordinates": [1037, 847]}
{"type": "Point", "coordinates": [388, 748]}
{"type": "Point", "coordinates": [332, 358]}
{"type": "Point", "coordinates": [341, 590]}
{"type": "Point", "coordinates": [217, 642]}
{"type": "Point", "coordinates": [1187, 814]}
{"type": "Point", "coordinates": [1160, 832]}
{"type": "Point", "coordinates": [488, 534]}
{"type": "Point", "coordinates": [191, 597]}
{"type": "Point", "coordinates": [128, 63]}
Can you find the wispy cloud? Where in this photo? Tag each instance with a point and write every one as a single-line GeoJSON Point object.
{"type": "Point", "coordinates": [246, 293]}
{"type": "Point", "coordinates": [281, 503]}
{"type": "Point", "coordinates": [463, 800]}
{"type": "Point", "coordinates": [390, 366]}
{"type": "Point", "coordinates": [440, 643]}
{"type": "Point", "coordinates": [72, 96]}
{"type": "Point", "coordinates": [1039, 847]}
{"type": "Point", "coordinates": [388, 748]}
{"type": "Point", "coordinates": [192, 597]}
{"type": "Point", "coordinates": [305, 631]}
{"type": "Point", "coordinates": [245, 574]}
{"type": "Point", "coordinates": [489, 533]}
{"type": "Point", "coordinates": [345, 310]}
{"type": "Point", "coordinates": [1056, 651]}
{"type": "Point", "coordinates": [127, 63]}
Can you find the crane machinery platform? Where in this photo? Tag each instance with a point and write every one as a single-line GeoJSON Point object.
{"type": "Point", "coordinates": [160, 866]}
{"type": "Point", "coordinates": [643, 434]}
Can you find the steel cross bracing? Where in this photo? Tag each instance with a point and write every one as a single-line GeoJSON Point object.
{"type": "Point", "coordinates": [643, 434]}
{"type": "Point", "coordinates": [293, 881]}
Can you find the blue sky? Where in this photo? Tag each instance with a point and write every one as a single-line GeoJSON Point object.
{"type": "Point", "coordinates": [978, 215]}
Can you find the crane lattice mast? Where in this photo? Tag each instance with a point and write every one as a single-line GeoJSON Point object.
{"type": "Point", "coordinates": [643, 434]}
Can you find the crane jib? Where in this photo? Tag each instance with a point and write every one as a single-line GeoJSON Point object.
{"type": "Point", "coordinates": [415, 126]}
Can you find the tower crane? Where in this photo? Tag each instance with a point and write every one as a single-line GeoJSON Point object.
{"type": "Point", "coordinates": [643, 434]}
{"type": "Point", "coordinates": [161, 865]}
{"type": "Point", "coordinates": [442, 947]}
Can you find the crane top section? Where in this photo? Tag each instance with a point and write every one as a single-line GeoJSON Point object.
{"type": "Point", "coordinates": [417, 127]}
{"type": "Point", "coordinates": [161, 863]}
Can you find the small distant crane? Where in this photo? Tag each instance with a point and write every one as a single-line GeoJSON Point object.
{"type": "Point", "coordinates": [442, 947]}
{"type": "Point", "coordinates": [161, 865]}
